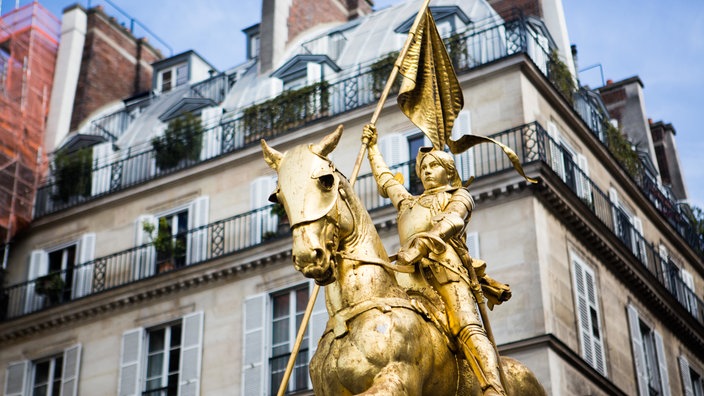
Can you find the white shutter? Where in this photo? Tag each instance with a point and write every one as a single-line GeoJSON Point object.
{"type": "Point", "coordinates": [16, 378]}
{"type": "Point", "coordinates": [662, 362]}
{"type": "Point", "coordinates": [313, 72]}
{"type": "Point", "coordinates": [596, 339]}
{"type": "Point", "coordinates": [686, 376]}
{"type": "Point", "coordinates": [639, 241]}
{"type": "Point", "coordinates": [191, 354]}
{"type": "Point", "coordinates": [638, 354]}
{"type": "Point", "coordinates": [584, 186]}
{"type": "Point", "coordinates": [613, 197]}
{"type": "Point", "coordinates": [254, 351]}
{"type": "Point", "coordinates": [38, 266]}
{"type": "Point", "coordinates": [83, 281]}
{"type": "Point", "coordinates": [102, 170]}
{"type": "Point", "coordinates": [145, 256]}
{"type": "Point", "coordinates": [473, 244]}
{"type": "Point", "coordinates": [72, 367]}
{"type": "Point", "coordinates": [197, 242]}
{"type": "Point", "coordinates": [556, 159]}
{"type": "Point", "coordinates": [262, 221]}
{"type": "Point", "coordinates": [130, 380]}
{"type": "Point", "coordinates": [464, 162]}
{"type": "Point", "coordinates": [690, 294]}
{"type": "Point", "coordinates": [394, 149]}
{"type": "Point", "coordinates": [583, 317]}
{"type": "Point", "coordinates": [664, 265]}
{"type": "Point", "coordinates": [318, 320]}
{"type": "Point", "coordinates": [212, 132]}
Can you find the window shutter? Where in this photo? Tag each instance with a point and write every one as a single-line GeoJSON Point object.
{"type": "Point", "coordinates": [313, 72]}
{"type": "Point", "coordinates": [638, 354]}
{"type": "Point", "coordinates": [83, 281]}
{"type": "Point", "coordinates": [686, 376]}
{"type": "Point", "coordinates": [394, 149]}
{"type": "Point", "coordinates": [597, 339]}
{"type": "Point", "coordinates": [639, 241]}
{"type": "Point", "coordinates": [262, 221]}
{"type": "Point", "coordinates": [102, 170]}
{"type": "Point", "coordinates": [613, 197]}
{"type": "Point", "coordinates": [191, 355]}
{"type": "Point", "coordinates": [38, 266]}
{"type": "Point", "coordinates": [464, 162]}
{"type": "Point", "coordinates": [130, 380]}
{"type": "Point", "coordinates": [688, 280]}
{"type": "Point", "coordinates": [662, 362]}
{"type": "Point", "coordinates": [473, 244]}
{"type": "Point", "coordinates": [16, 378]}
{"type": "Point", "coordinates": [145, 255]}
{"type": "Point", "coordinates": [197, 242]}
{"type": "Point", "coordinates": [212, 131]}
{"type": "Point", "coordinates": [585, 188]}
{"type": "Point", "coordinates": [556, 160]}
{"type": "Point", "coordinates": [72, 368]}
{"type": "Point", "coordinates": [583, 317]}
{"type": "Point", "coordinates": [253, 367]}
{"type": "Point", "coordinates": [318, 319]}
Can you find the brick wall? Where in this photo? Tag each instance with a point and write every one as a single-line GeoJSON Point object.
{"type": "Point", "coordinates": [115, 66]}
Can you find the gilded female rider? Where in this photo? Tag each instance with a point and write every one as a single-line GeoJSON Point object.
{"type": "Point", "coordinates": [431, 228]}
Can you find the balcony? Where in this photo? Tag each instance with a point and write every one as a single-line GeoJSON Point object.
{"type": "Point", "coordinates": [247, 230]}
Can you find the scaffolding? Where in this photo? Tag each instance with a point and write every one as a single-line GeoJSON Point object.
{"type": "Point", "coordinates": [29, 40]}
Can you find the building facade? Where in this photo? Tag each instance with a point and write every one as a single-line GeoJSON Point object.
{"type": "Point", "coordinates": [169, 272]}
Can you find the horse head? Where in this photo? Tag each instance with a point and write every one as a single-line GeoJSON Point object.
{"type": "Point", "coordinates": [307, 188]}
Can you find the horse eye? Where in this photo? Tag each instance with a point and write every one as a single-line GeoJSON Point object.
{"type": "Point", "coordinates": [326, 181]}
{"type": "Point", "coordinates": [274, 197]}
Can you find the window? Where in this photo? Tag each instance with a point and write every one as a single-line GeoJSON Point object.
{"type": "Point", "coordinates": [163, 360]}
{"type": "Point", "coordinates": [71, 262]}
{"type": "Point", "coordinates": [287, 310]}
{"type": "Point", "coordinates": [628, 227]}
{"type": "Point", "coordinates": [163, 356]}
{"type": "Point", "coordinates": [692, 383]}
{"type": "Point", "coordinates": [649, 356]}
{"type": "Point", "coordinates": [271, 322]}
{"type": "Point", "coordinates": [588, 314]}
{"type": "Point", "coordinates": [172, 77]}
{"type": "Point", "coordinates": [189, 239]}
{"type": "Point", "coordinates": [49, 376]}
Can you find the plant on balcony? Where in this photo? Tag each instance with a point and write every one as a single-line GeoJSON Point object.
{"type": "Point", "coordinates": [73, 174]}
{"type": "Point", "coordinates": [290, 109]}
{"type": "Point", "coordinates": [696, 217]}
{"type": "Point", "coordinates": [380, 71]}
{"type": "Point", "coordinates": [278, 210]}
{"type": "Point", "coordinates": [168, 248]}
{"type": "Point", "coordinates": [561, 77]}
{"type": "Point", "coordinates": [457, 49]}
{"type": "Point", "coordinates": [623, 150]}
{"type": "Point", "coordinates": [51, 286]}
{"type": "Point", "coordinates": [182, 141]}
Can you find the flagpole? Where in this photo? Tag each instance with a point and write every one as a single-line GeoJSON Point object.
{"type": "Point", "coordinates": [387, 88]}
{"type": "Point", "coordinates": [353, 178]}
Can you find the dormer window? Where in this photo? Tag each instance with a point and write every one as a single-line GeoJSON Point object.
{"type": "Point", "coordinates": [253, 37]}
{"type": "Point", "coordinates": [172, 77]}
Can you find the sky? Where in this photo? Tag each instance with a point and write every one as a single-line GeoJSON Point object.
{"type": "Point", "coordinates": [661, 42]}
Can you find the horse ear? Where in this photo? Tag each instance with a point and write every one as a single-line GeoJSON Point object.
{"type": "Point", "coordinates": [329, 142]}
{"type": "Point", "coordinates": [271, 156]}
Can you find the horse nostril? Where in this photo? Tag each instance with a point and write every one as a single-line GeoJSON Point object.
{"type": "Point", "coordinates": [316, 254]}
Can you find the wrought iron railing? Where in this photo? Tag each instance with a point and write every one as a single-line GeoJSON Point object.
{"type": "Point", "coordinates": [235, 234]}
{"type": "Point", "coordinates": [136, 165]}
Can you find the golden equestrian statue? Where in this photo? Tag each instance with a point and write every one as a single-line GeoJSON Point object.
{"type": "Point", "coordinates": [419, 326]}
{"type": "Point", "coordinates": [381, 339]}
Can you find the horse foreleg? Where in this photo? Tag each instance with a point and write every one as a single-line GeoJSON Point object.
{"type": "Point", "coordinates": [395, 379]}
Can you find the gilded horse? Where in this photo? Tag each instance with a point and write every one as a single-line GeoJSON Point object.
{"type": "Point", "coordinates": [378, 341]}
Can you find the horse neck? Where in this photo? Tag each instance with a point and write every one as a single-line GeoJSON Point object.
{"type": "Point", "coordinates": [360, 252]}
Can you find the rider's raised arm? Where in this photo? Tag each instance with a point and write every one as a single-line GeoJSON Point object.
{"type": "Point", "coordinates": [388, 186]}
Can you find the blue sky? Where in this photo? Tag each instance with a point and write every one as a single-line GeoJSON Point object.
{"type": "Point", "coordinates": [661, 42]}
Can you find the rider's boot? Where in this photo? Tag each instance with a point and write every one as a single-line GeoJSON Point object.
{"type": "Point", "coordinates": [477, 347]}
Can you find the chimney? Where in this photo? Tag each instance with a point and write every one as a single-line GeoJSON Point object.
{"type": "Point", "coordinates": [283, 21]}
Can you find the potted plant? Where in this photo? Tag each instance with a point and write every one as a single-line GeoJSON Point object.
{"type": "Point", "coordinates": [168, 247]}
{"type": "Point", "coordinates": [72, 172]}
{"type": "Point", "coordinates": [278, 210]}
{"type": "Point", "coordinates": [51, 286]}
{"type": "Point", "coordinates": [182, 141]}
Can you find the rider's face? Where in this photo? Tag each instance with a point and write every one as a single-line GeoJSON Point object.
{"type": "Point", "coordinates": [432, 173]}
